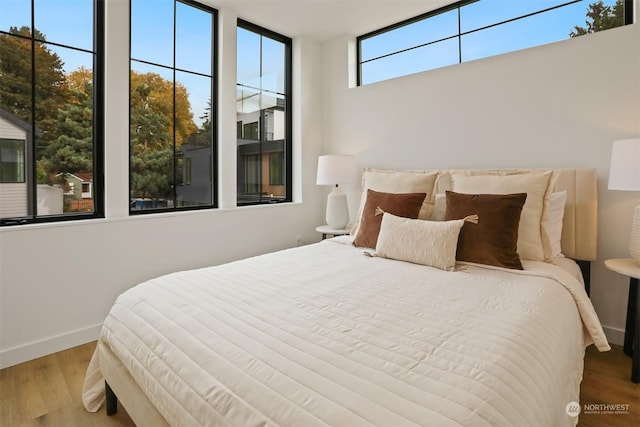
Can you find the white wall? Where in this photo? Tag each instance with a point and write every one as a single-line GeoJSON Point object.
{"type": "Point", "coordinates": [57, 281]}
{"type": "Point", "coordinates": [556, 105]}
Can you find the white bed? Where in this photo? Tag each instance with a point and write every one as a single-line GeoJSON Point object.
{"type": "Point", "coordinates": [323, 335]}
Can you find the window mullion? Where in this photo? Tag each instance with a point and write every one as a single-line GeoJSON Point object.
{"type": "Point", "coordinates": [174, 161]}
{"type": "Point", "coordinates": [459, 37]}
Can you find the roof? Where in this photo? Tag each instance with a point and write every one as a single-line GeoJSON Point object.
{"type": "Point", "coordinates": [17, 121]}
{"type": "Point", "coordinates": [80, 176]}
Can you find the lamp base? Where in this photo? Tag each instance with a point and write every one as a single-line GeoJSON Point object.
{"type": "Point", "coordinates": [634, 240]}
{"type": "Point", "coordinates": [337, 215]}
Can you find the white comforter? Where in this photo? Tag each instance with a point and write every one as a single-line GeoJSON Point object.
{"type": "Point", "coordinates": [322, 335]}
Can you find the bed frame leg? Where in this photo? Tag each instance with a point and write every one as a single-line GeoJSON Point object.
{"type": "Point", "coordinates": [112, 400]}
{"type": "Point", "coordinates": [585, 268]}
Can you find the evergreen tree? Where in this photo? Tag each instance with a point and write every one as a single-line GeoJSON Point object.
{"type": "Point", "coordinates": [204, 135]}
{"type": "Point", "coordinates": [72, 150]}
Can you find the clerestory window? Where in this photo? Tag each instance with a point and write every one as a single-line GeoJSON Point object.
{"type": "Point", "coordinates": [474, 29]}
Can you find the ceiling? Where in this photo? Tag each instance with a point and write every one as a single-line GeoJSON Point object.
{"type": "Point", "coordinates": [324, 19]}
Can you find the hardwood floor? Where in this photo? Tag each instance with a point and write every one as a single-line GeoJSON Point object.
{"type": "Point", "coordinates": [47, 392]}
{"type": "Point", "coordinates": [606, 380]}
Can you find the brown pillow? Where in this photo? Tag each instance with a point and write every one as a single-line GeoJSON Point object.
{"type": "Point", "coordinates": [406, 205]}
{"type": "Point", "coordinates": [494, 239]}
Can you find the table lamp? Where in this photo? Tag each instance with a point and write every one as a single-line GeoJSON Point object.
{"type": "Point", "coordinates": [624, 174]}
{"type": "Point", "coordinates": [334, 170]}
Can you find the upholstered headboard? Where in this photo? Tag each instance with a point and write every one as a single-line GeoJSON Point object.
{"type": "Point", "coordinates": [580, 224]}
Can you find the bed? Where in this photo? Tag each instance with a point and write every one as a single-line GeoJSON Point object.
{"type": "Point", "coordinates": [343, 335]}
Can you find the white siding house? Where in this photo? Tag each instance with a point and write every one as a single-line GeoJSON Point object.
{"type": "Point", "coordinates": [14, 194]}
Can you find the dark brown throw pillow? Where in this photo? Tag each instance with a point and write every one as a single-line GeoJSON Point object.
{"type": "Point", "coordinates": [406, 205]}
{"type": "Point", "coordinates": [494, 239]}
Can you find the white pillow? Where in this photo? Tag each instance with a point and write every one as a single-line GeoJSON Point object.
{"type": "Point", "coordinates": [432, 243]}
{"type": "Point", "coordinates": [552, 218]}
{"type": "Point", "coordinates": [535, 184]}
{"type": "Point", "coordinates": [389, 181]}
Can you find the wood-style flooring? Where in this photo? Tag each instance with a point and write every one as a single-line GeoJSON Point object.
{"type": "Point", "coordinates": [47, 391]}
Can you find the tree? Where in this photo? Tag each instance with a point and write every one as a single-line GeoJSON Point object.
{"type": "Point", "coordinates": [16, 86]}
{"type": "Point", "coordinates": [152, 174]}
{"type": "Point", "coordinates": [204, 135]}
{"type": "Point", "coordinates": [152, 94]}
{"type": "Point", "coordinates": [72, 150]}
{"type": "Point", "coordinates": [152, 127]}
{"type": "Point", "coordinates": [601, 17]}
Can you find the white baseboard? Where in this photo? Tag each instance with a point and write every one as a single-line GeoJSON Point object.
{"type": "Point", "coordinates": [33, 350]}
{"type": "Point", "coordinates": [614, 335]}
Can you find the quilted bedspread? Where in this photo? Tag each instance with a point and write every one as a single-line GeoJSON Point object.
{"type": "Point", "coordinates": [324, 336]}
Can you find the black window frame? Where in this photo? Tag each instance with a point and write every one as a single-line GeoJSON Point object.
{"type": "Point", "coordinates": [288, 108]}
{"type": "Point", "coordinates": [628, 19]}
{"type": "Point", "coordinates": [177, 174]}
{"type": "Point", "coordinates": [98, 127]}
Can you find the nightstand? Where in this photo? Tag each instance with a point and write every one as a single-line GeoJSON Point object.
{"type": "Point", "coordinates": [328, 231]}
{"type": "Point", "coordinates": [629, 267]}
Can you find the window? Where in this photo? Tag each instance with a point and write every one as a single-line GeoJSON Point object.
{"type": "Point", "coordinates": [172, 111]}
{"type": "Point", "coordinates": [51, 112]}
{"type": "Point", "coordinates": [276, 169]}
{"type": "Point", "coordinates": [473, 29]}
{"type": "Point", "coordinates": [187, 171]}
{"type": "Point", "coordinates": [263, 116]}
{"type": "Point", "coordinates": [12, 161]}
{"type": "Point", "coordinates": [250, 131]}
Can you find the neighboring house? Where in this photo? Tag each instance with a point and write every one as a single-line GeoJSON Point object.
{"type": "Point", "coordinates": [16, 138]}
{"type": "Point", "coordinates": [261, 148]}
{"type": "Point", "coordinates": [261, 162]}
{"type": "Point", "coordinates": [79, 185]}
{"type": "Point", "coordinates": [78, 191]}
{"type": "Point", "coordinates": [16, 195]}
{"type": "Point", "coordinates": [194, 186]}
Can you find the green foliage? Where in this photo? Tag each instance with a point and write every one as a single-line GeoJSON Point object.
{"type": "Point", "coordinates": [601, 17]}
{"type": "Point", "coordinates": [152, 173]}
{"type": "Point", "coordinates": [41, 174]}
{"type": "Point", "coordinates": [15, 81]}
{"type": "Point", "coordinates": [72, 150]}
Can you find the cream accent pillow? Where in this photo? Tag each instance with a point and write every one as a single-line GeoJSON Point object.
{"type": "Point", "coordinates": [398, 182]}
{"type": "Point", "coordinates": [535, 184]}
{"type": "Point", "coordinates": [552, 219]}
{"type": "Point", "coordinates": [439, 207]}
{"type": "Point", "coordinates": [431, 243]}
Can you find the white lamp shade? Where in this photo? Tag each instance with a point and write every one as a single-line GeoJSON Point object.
{"type": "Point", "coordinates": [624, 172]}
{"type": "Point", "coordinates": [335, 169]}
